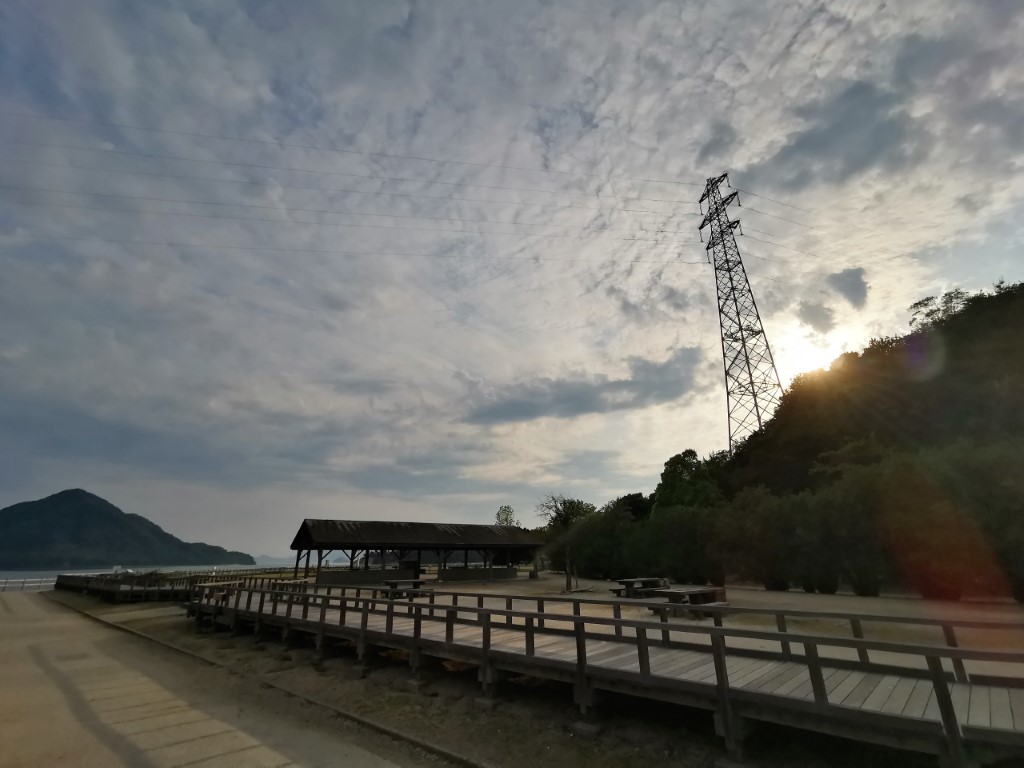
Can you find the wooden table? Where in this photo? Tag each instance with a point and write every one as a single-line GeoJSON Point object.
{"type": "Point", "coordinates": [641, 586]}
{"type": "Point", "coordinates": [398, 587]}
{"type": "Point", "coordinates": [680, 599]}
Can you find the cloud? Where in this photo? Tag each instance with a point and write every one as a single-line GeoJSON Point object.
{"type": "Point", "coordinates": [723, 138]}
{"type": "Point", "coordinates": [649, 383]}
{"type": "Point", "coordinates": [817, 316]}
{"type": "Point", "coordinates": [858, 127]}
{"type": "Point", "coordinates": [850, 283]}
{"type": "Point", "coordinates": [336, 351]}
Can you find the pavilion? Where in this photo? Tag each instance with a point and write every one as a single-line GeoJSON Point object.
{"type": "Point", "coordinates": [502, 545]}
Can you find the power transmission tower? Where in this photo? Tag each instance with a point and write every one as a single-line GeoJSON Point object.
{"type": "Point", "coordinates": [752, 387]}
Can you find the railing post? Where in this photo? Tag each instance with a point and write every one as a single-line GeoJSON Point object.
{"type": "Point", "coordinates": [508, 607]}
{"type": "Point", "coordinates": [540, 609]}
{"type": "Point", "coordinates": [529, 636]}
{"type": "Point", "coordinates": [959, 670]}
{"type": "Point", "coordinates": [858, 632]}
{"type": "Point", "coordinates": [389, 621]}
{"type": "Point", "coordinates": [950, 725]}
{"type": "Point", "coordinates": [726, 723]}
{"type": "Point", "coordinates": [417, 621]}
{"type": "Point", "coordinates": [643, 653]}
{"type": "Point", "coordinates": [617, 614]}
{"type": "Point", "coordinates": [480, 605]}
{"type": "Point", "coordinates": [580, 629]}
{"type": "Point", "coordinates": [817, 678]}
{"type": "Point", "coordinates": [449, 626]}
{"type": "Point", "coordinates": [431, 599]}
{"type": "Point", "coordinates": [780, 623]}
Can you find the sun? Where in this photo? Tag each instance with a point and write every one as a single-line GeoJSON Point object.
{"type": "Point", "coordinates": [799, 352]}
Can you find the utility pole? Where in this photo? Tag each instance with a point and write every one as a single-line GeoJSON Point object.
{"type": "Point", "coordinates": [752, 387]}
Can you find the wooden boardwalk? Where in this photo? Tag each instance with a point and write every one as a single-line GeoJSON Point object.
{"type": "Point", "coordinates": [930, 706]}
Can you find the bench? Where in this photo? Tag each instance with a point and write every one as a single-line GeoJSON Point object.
{"type": "Point", "coordinates": [680, 609]}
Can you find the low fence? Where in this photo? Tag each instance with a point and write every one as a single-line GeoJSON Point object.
{"type": "Point", "coordinates": [556, 639]}
{"type": "Point", "coordinates": [27, 585]}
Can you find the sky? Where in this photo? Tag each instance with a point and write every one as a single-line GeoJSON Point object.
{"type": "Point", "coordinates": [262, 261]}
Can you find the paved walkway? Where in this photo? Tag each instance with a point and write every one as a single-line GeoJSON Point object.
{"type": "Point", "coordinates": [76, 693]}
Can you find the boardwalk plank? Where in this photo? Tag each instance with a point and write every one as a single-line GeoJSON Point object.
{"type": "Point", "coordinates": [754, 673]}
{"type": "Point", "coordinates": [761, 684]}
{"type": "Point", "coordinates": [918, 699]}
{"type": "Point", "coordinates": [880, 693]}
{"type": "Point", "coordinates": [1017, 707]}
{"type": "Point", "coordinates": [867, 684]}
{"type": "Point", "coordinates": [961, 695]}
{"type": "Point", "coordinates": [1002, 714]}
{"type": "Point", "coordinates": [842, 690]}
{"type": "Point", "coordinates": [979, 709]}
{"type": "Point", "coordinates": [900, 694]}
{"type": "Point", "coordinates": [786, 689]}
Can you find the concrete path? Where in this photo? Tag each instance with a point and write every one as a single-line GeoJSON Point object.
{"type": "Point", "coordinates": [76, 693]}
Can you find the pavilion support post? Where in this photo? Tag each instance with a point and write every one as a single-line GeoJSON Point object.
{"type": "Point", "coordinates": [309, 552]}
{"type": "Point", "coordinates": [465, 559]}
{"type": "Point", "coordinates": [419, 563]}
{"type": "Point", "coordinates": [383, 559]}
{"type": "Point", "coordinates": [319, 561]}
{"type": "Point", "coordinates": [366, 560]}
{"type": "Point", "coordinates": [352, 561]}
{"type": "Point", "coordinates": [298, 554]}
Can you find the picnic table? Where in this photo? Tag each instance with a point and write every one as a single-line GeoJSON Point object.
{"type": "Point", "coordinates": [681, 600]}
{"type": "Point", "coordinates": [640, 586]}
{"type": "Point", "coordinates": [398, 587]}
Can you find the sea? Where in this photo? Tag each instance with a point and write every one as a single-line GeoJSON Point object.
{"type": "Point", "coordinates": [17, 575]}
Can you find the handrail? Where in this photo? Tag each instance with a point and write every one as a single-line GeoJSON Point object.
{"type": "Point", "coordinates": [948, 727]}
{"type": "Point", "coordinates": [724, 610]}
{"type": "Point", "coordinates": [712, 631]}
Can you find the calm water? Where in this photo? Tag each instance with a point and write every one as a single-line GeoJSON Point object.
{"type": "Point", "coordinates": [137, 569]}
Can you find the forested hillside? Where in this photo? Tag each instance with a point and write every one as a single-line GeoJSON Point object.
{"type": "Point", "coordinates": [77, 529]}
{"type": "Point", "coordinates": [900, 467]}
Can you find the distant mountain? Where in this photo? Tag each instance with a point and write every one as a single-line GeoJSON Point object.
{"type": "Point", "coordinates": [77, 529]}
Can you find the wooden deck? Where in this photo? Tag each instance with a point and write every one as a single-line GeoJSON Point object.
{"type": "Point", "coordinates": [933, 706]}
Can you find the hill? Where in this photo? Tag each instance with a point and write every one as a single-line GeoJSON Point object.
{"type": "Point", "coordinates": [958, 376]}
{"type": "Point", "coordinates": [77, 529]}
{"type": "Point", "coordinates": [898, 468]}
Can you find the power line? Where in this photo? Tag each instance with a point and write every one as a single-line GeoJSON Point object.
{"type": "Point", "coordinates": [142, 212]}
{"type": "Point", "coordinates": [780, 245]}
{"type": "Point", "coordinates": [290, 209]}
{"type": "Point", "coordinates": [774, 216]}
{"type": "Point", "coordinates": [185, 177]}
{"type": "Point", "coordinates": [280, 143]}
{"type": "Point", "coordinates": [178, 158]}
{"type": "Point", "coordinates": [213, 246]}
{"type": "Point", "coordinates": [773, 200]}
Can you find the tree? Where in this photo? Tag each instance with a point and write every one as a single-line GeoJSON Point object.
{"type": "Point", "coordinates": [561, 514]}
{"type": "Point", "coordinates": [506, 516]}
{"type": "Point", "coordinates": [688, 481]}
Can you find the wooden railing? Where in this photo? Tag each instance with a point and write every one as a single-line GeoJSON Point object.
{"type": "Point", "coordinates": [309, 609]}
{"type": "Point", "coordinates": [27, 585]}
{"type": "Point", "coordinates": [947, 626]}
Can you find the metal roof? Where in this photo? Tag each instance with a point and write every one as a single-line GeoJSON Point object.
{"type": "Point", "coordinates": [386, 534]}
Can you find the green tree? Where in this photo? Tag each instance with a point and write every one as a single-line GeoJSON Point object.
{"type": "Point", "coordinates": [561, 514]}
{"type": "Point", "coordinates": [688, 481]}
{"type": "Point", "coordinates": [506, 516]}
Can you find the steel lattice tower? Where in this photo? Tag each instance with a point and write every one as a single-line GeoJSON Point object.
{"type": "Point", "coordinates": [752, 385]}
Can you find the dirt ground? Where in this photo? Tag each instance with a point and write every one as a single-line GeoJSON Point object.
{"type": "Point", "coordinates": [532, 723]}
